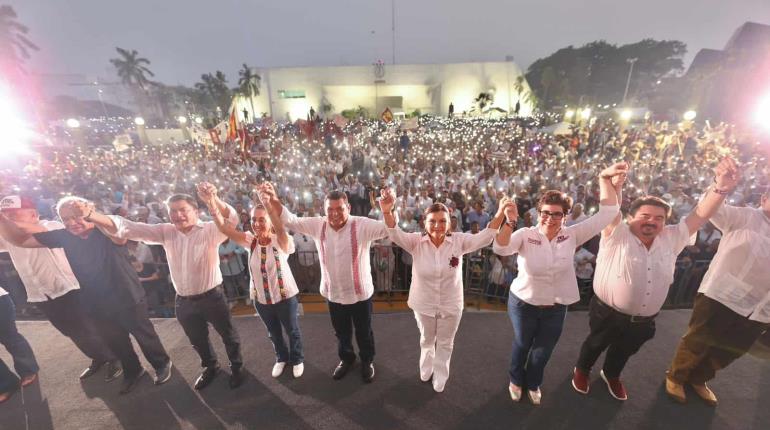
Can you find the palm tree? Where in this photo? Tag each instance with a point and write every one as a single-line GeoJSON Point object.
{"type": "Point", "coordinates": [248, 85]}
{"type": "Point", "coordinates": [14, 45]}
{"type": "Point", "coordinates": [132, 69]}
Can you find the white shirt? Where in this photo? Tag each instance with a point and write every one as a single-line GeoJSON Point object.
{"type": "Point", "coordinates": [546, 269]}
{"type": "Point", "coordinates": [193, 257]}
{"type": "Point", "coordinates": [45, 272]}
{"type": "Point", "coordinates": [306, 251]}
{"type": "Point", "coordinates": [2, 292]}
{"type": "Point", "coordinates": [631, 278]}
{"type": "Point", "coordinates": [437, 286]}
{"type": "Point", "coordinates": [337, 269]}
{"type": "Point", "coordinates": [739, 274]}
{"type": "Point", "coordinates": [257, 290]}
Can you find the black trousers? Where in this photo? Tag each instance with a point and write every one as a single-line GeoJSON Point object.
{"type": "Point", "coordinates": [344, 319]}
{"type": "Point", "coordinates": [68, 315]}
{"type": "Point", "coordinates": [194, 314]}
{"type": "Point", "coordinates": [614, 332]}
{"type": "Point", "coordinates": [117, 324]}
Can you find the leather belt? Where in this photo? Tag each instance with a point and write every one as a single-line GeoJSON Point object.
{"type": "Point", "coordinates": [631, 318]}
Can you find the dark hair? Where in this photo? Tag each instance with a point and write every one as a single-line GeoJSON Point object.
{"type": "Point", "coordinates": [337, 195]}
{"type": "Point", "coordinates": [182, 198]}
{"type": "Point", "coordinates": [649, 201]}
{"type": "Point", "coordinates": [555, 197]}
{"type": "Point", "coordinates": [436, 207]}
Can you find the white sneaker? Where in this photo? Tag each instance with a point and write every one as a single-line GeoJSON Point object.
{"type": "Point", "coordinates": [535, 396]}
{"type": "Point", "coordinates": [278, 368]}
{"type": "Point", "coordinates": [438, 386]}
{"type": "Point", "coordinates": [515, 392]}
{"type": "Point", "coordinates": [298, 370]}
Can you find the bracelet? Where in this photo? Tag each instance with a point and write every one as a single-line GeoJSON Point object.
{"type": "Point", "coordinates": [88, 217]}
{"type": "Point", "coordinates": [718, 191]}
{"type": "Point", "coordinates": [511, 224]}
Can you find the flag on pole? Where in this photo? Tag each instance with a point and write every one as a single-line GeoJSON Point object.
{"type": "Point", "coordinates": [232, 126]}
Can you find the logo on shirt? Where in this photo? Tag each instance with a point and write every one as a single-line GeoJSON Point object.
{"type": "Point", "coordinates": [561, 239]}
{"type": "Point", "coordinates": [535, 241]}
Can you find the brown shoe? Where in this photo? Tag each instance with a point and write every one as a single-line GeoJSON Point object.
{"type": "Point", "coordinates": [705, 393]}
{"type": "Point", "coordinates": [675, 390]}
{"type": "Point", "coordinates": [28, 380]}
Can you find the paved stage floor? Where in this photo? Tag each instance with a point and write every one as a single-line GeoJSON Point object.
{"type": "Point", "coordinates": [476, 395]}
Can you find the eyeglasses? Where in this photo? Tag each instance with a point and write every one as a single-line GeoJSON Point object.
{"type": "Point", "coordinates": [553, 215]}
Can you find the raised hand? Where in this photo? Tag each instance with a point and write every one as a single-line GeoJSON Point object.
{"type": "Point", "coordinates": [511, 212]}
{"type": "Point", "coordinates": [726, 174]}
{"type": "Point", "coordinates": [387, 200]}
{"type": "Point", "coordinates": [502, 204]}
{"type": "Point", "coordinates": [614, 170]}
{"type": "Point", "coordinates": [81, 208]}
{"type": "Point", "coordinates": [207, 193]}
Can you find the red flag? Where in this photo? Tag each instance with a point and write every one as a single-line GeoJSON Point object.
{"type": "Point", "coordinates": [214, 133]}
{"type": "Point", "coordinates": [232, 126]}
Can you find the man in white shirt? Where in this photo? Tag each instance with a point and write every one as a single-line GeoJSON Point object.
{"type": "Point", "coordinates": [343, 242]}
{"type": "Point", "coordinates": [634, 270]}
{"type": "Point", "coordinates": [192, 248]}
{"type": "Point", "coordinates": [732, 308]}
{"type": "Point", "coordinates": [53, 288]}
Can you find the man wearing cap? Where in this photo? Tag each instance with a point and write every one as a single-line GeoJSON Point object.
{"type": "Point", "coordinates": [111, 291]}
{"type": "Point", "coordinates": [634, 270]}
{"type": "Point", "coordinates": [192, 248]}
{"type": "Point", "coordinates": [53, 288]}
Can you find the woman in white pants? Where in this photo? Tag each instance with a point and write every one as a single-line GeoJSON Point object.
{"type": "Point", "coordinates": [436, 293]}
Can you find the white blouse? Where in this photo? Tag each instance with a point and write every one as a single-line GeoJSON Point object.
{"type": "Point", "coordinates": [274, 291]}
{"type": "Point", "coordinates": [437, 282]}
{"type": "Point", "coordinates": [546, 268]}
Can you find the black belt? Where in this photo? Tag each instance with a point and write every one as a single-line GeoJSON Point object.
{"type": "Point", "coordinates": [631, 318]}
{"type": "Point", "coordinates": [201, 296]}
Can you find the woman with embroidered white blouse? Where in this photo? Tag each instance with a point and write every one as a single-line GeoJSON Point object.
{"type": "Point", "coordinates": [546, 283]}
{"type": "Point", "coordinates": [436, 292]}
{"type": "Point", "coordinates": [273, 287]}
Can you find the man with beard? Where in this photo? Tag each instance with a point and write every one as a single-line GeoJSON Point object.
{"type": "Point", "coordinates": [634, 270]}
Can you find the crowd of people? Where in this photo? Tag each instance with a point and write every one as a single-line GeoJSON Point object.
{"type": "Point", "coordinates": [465, 183]}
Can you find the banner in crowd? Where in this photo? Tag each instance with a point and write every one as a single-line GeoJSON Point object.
{"type": "Point", "coordinates": [122, 142]}
{"type": "Point", "coordinates": [387, 115]}
{"type": "Point", "coordinates": [410, 124]}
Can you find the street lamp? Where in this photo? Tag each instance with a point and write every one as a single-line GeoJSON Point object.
{"type": "Point", "coordinates": [689, 115]}
{"type": "Point", "coordinates": [73, 123]}
{"type": "Point", "coordinates": [631, 62]}
{"type": "Point", "coordinates": [198, 120]}
{"type": "Point", "coordinates": [586, 114]}
{"type": "Point", "coordinates": [139, 120]}
{"type": "Point", "coordinates": [182, 120]}
{"type": "Point", "coordinates": [569, 114]}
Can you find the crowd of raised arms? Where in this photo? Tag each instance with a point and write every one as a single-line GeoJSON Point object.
{"type": "Point", "coordinates": [645, 191]}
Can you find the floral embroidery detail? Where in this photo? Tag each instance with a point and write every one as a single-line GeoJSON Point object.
{"type": "Point", "coordinates": [454, 261]}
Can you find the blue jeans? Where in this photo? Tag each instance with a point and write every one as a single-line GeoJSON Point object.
{"type": "Point", "coordinates": [536, 331]}
{"type": "Point", "coordinates": [278, 317]}
{"type": "Point", "coordinates": [23, 358]}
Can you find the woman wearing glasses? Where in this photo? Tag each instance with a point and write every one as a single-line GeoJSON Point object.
{"type": "Point", "coordinates": [436, 293]}
{"type": "Point", "coordinates": [546, 283]}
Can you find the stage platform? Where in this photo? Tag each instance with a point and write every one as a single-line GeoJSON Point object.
{"type": "Point", "coordinates": [476, 396]}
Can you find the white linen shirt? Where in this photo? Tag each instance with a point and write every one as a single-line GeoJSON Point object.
{"type": "Point", "coordinates": [193, 257]}
{"type": "Point", "coordinates": [257, 290]}
{"type": "Point", "coordinates": [437, 286]}
{"type": "Point", "coordinates": [337, 284]}
{"type": "Point", "coordinates": [547, 269]}
{"type": "Point", "coordinates": [46, 273]}
{"type": "Point", "coordinates": [632, 279]}
{"type": "Point", "coordinates": [739, 274]}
